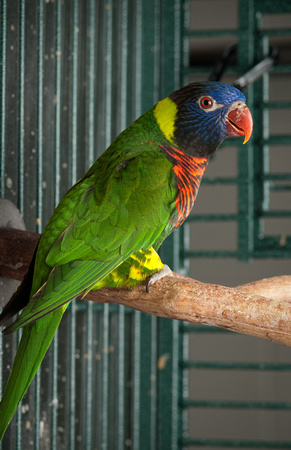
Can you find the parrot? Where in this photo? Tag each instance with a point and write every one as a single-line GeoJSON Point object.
{"type": "Point", "coordinates": [107, 229]}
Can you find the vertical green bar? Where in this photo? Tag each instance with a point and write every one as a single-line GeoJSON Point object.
{"type": "Point", "coordinates": [21, 149]}
{"type": "Point", "coordinates": [145, 329]}
{"type": "Point", "coordinates": [137, 66]}
{"type": "Point", "coordinates": [108, 128]}
{"type": "Point", "coordinates": [121, 417]}
{"type": "Point", "coordinates": [39, 207]}
{"type": "Point", "coordinates": [57, 152]}
{"type": "Point", "coordinates": [72, 309]}
{"type": "Point", "coordinates": [3, 39]}
{"type": "Point", "coordinates": [40, 71]}
{"type": "Point", "coordinates": [21, 153]}
{"type": "Point", "coordinates": [168, 330]}
{"type": "Point", "coordinates": [246, 155]}
{"type": "Point", "coordinates": [3, 50]}
{"type": "Point", "coordinates": [90, 159]}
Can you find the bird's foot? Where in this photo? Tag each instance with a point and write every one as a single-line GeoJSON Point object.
{"type": "Point", "coordinates": [166, 271]}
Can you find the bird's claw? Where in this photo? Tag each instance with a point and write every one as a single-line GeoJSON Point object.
{"type": "Point", "coordinates": [166, 271]}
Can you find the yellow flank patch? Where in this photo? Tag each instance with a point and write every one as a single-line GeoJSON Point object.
{"type": "Point", "coordinates": [134, 270]}
{"type": "Point", "coordinates": [146, 259]}
{"type": "Point", "coordinates": [165, 112]}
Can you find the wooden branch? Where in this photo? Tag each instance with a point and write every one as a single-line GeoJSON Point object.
{"type": "Point", "coordinates": [261, 308]}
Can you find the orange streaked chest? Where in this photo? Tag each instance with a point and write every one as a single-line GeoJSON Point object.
{"type": "Point", "coordinates": [189, 171]}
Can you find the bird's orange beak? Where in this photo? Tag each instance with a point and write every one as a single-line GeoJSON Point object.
{"type": "Point", "coordinates": [239, 121]}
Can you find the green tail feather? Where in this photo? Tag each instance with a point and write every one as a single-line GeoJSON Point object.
{"type": "Point", "coordinates": [34, 343]}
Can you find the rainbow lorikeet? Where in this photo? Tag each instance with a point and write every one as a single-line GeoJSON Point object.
{"type": "Point", "coordinates": [107, 229]}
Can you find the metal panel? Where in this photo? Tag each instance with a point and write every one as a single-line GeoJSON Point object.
{"type": "Point", "coordinates": [72, 76]}
{"type": "Point", "coordinates": [254, 180]}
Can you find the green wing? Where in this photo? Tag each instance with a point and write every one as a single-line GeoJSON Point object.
{"type": "Point", "coordinates": [112, 219]}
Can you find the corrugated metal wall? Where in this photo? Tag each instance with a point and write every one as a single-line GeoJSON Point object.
{"type": "Point", "coordinates": [239, 387]}
{"type": "Point", "coordinates": [73, 74]}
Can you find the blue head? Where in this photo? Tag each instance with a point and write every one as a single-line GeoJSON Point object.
{"type": "Point", "coordinates": [207, 113]}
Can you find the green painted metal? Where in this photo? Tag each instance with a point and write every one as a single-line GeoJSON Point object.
{"type": "Point", "coordinates": [253, 190]}
{"type": "Point", "coordinates": [72, 76]}
{"type": "Point", "coordinates": [255, 183]}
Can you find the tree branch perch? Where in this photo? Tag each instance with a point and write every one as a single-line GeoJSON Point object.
{"type": "Point", "coordinates": [261, 308]}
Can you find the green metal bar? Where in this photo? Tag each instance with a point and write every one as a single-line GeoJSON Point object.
{"type": "Point", "coordinates": [18, 440]}
{"type": "Point", "coordinates": [235, 443]}
{"type": "Point", "coordinates": [286, 68]}
{"type": "Point", "coordinates": [108, 128]}
{"type": "Point", "coordinates": [195, 328]}
{"type": "Point", "coordinates": [57, 153]}
{"type": "Point", "coordinates": [74, 92]}
{"type": "Point", "coordinates": [90, 160]}
{"type": "Point", "coordinates": [275, 213]}
{"type": "Point", "coordinates": [91, 81]}
{"type": "Point", "coordinates": [3, 67]}
{"type": "Point", "coordinates": [153, 383]}
{"type": "Point", "coordinates": [237, 366]}
{"type": "Point", "coordinates": [40, 112]}
{"type": "Point", "coordinates": [276, 105]}
{"type": "Point", "coordinates": [276, 140]}
{"type": "Point", "coordinates": [148, 395]}
{"type": "Point", "coordinates": [136, 407]}
{"type": "Point", "coordinates": [206, 70]}
{"type": "Point", "coordinates": [58, 97]}
{"type": "Point", "coordinates": [210, 254]}
{"type": "Point", "coordinates": [21, 105]}
{"type": "Point", "coordinates": [211, 33]}
{"type": "Point", "coordinates": [222, 180]}
{"type": "Point", "coordinates": [186, 403]}
{"type": "Point", "coordinates": [275, 32]}
{"type": "Point", "coordinates": [121, 379]}
{"type": "Point", "coordinates": [137, 109]}
{"type": "Point", "coordinates": [285, 187]}
{"type": "Point", "coordinates": [121, 309]}
{"type": "Point", "coordinates": [108, 72]}
{"type": "Point", "coordinates": [89, 377]}
{"type": "Point", "coordinates": [246, 59]}
{"type": "Point", "coordinates": [276, 176]}
{"type": "Point", "coordinates": [123, 62]}
{"type": "Point", "coordinates": [267, 7]}
{"type": "Point", "coordinates": [213, 217]}
{"type": "Point", "coordinates": [72, 378]}
{"type": "Point", "coordinates": [105, 380]}
{"type": "Point", "coordinates": [74, 149]}
{"type": "Point", "coordinates": [168, 331]}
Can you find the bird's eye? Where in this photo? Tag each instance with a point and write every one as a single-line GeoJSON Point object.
{"type": "Point", "coordinates": [206, 102]}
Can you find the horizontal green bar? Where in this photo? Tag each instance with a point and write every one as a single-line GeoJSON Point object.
{"type": "Point", "coordinates": [234, 443]}
{"type": "Point", "coordinates": [210, 254]}
{"type": "Point", "coordinates": [189, 328]}
{"type": "Point", "coordinates": [210, 33]}
{"type": "Point", "coordinates": [275, 214]}
{"type": "Point", "coordinates": [206, 69]}
{"type": "Point", "coordinates": [275, 140]}
{"type": "Point", "coordinates": [235, 180]}
{"type": "Point", "coordinates": [276, 32]}
{"type": "Point", "coordinates": [276, 105]}
{"type": "Point", "coordinates": [277, 176]}
{"type": "Point", "coordinates": [213, 217]}
{"type": "Point", "coordinates": [285, 187]}
{"type": "Point", "coordinates": [235, 366]}
{"type": "Point", "coordinates": [280, 253]}
{"type": "Point", "coordinates": [286, 68]}
{"type": "Point", "coordinates": [235, 404]}
{"type": "Point", "coordinates": [81, 306]}
{"type": "Point", "coordinates": [223, 180]}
